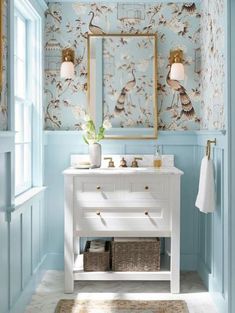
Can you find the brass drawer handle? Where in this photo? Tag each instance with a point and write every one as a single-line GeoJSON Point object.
{"type": "Point", "coordinates": [98, 187]}
{"type": "Point", "coordinates": [146, 212]}
{"type": "Point", "coordinates": [98, 213]}
{"type": "Point", "coordinates": [146, 187]}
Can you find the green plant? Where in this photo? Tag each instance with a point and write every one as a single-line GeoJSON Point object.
{"type": "Point", "coordinates": [90, 135]}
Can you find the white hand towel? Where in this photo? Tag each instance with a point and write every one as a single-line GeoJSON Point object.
{"type": "Point", "coordinates": [206, 192]}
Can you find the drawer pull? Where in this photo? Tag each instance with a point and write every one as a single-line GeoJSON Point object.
{"type": "Point", "coordinates": [98, 213]}
{"type": "Point", "coordinates": [146, 187]}
{"type": "Point", "coordinates": [146, 212]}
{"type": "Point", "coordinates": [98, 187]}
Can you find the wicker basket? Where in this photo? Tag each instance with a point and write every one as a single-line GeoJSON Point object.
{"type": "Point", "coordinates": [136, 256]}
{"type": "Point", "coordinates": [96, 261]}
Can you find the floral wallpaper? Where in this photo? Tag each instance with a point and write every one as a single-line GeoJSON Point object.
{"type": "Point", "coordinates": [3, 96]}
{"type": "Point", "coordinates": [128, 81]}
{"type": "Point", "coordinates": [213, 64]}
{"type": "Point", "coordinates": [177, 26]}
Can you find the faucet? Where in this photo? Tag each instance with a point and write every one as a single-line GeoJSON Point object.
{"type": "Point", "coordinates": [135, 163]}
{"type": "Point", "coordinates": [123, 163]}
{"type": "Point", "coordinates": [111, 163]}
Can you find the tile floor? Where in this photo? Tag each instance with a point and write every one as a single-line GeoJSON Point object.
{"type": "Point", "coordinates": [50, 291]}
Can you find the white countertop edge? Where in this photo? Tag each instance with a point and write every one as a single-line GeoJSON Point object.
{"type": "Point", "coordinates": [128, 171]}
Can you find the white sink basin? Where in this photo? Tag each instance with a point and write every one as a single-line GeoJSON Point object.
{"type": "Point", "coordinates": [125, 168]}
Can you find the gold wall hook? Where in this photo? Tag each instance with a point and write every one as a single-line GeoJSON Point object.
{"type": "Point", "coordinates": [208, 147]}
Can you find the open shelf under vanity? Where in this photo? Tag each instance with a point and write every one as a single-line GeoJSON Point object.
{"type": "Point", "coordinates": [80, 274]}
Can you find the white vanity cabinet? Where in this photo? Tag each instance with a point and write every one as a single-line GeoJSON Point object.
{"type": "Point", "coordinates": [143, 202]}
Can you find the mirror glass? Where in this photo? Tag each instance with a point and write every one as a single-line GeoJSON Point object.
{"type": "Point", "coordinates": [122, 83]}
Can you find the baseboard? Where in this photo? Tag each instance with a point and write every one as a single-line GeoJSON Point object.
{"type": "Point", "coordinates": [54, 261]}
{"type": "Point", "coordinates": [204, 272]}
{"type": "Point", "coordinates": [219, 298]}
{"type": "Point", "coordinates": [26, 295]}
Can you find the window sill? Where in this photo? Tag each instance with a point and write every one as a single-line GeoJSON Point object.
{"type": "Point", "coordinates": [28, 196]}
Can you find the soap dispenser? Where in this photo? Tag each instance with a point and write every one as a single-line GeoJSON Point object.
{"type": "Point", "coordinates": [157, 163]}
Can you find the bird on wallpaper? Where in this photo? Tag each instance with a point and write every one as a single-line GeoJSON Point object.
{"type": "Point", "coordinates": [187, 107]}
{"type": "Point", "coordinates": [189, 7]}
{"type": "Point", "coordinates": [94, 29]}
{"type": "Point", "coordinates": [123, 95]}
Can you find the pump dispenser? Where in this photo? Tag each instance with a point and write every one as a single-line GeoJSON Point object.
{"type": "Point", "coordinates": [157, 163]}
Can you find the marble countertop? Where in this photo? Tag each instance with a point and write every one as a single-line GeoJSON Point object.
{"type": "Point", "coordinates": [124, 171]}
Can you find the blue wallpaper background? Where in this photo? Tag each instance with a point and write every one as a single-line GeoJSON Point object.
{"type": "Point", "coordinates": [67, 25]}
{"type": "Point", "coordinates": [3, 96]}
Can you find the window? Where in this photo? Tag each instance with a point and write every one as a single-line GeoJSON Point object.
{"type": "Point", "coordinates": [27, 96]}
{"type": "Point", "coordinates": [23, 109]}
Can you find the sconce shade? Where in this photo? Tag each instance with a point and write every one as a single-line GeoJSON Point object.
{"type": "Point", "coordinates": [67, 70]}
{"type": "Point", "coordinates": [177, 71]}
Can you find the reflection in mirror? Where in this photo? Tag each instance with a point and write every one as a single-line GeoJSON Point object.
{"type": "Point", "coordinates": [122, 83]}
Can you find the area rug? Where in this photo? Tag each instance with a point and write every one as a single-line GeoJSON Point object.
{"type": "Point", "coordinates": [120, 306]}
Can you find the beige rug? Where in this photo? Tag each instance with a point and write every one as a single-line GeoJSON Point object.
{"type": "Point", "coordinates": [121, 306]}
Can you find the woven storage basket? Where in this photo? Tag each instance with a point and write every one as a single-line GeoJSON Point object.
{"type": "Point", "coordinates": [136, 256]}
{"type": "Point", "coordinates": [96, 261]}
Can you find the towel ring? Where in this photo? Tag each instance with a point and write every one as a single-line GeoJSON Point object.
{"type": "Point", "coordinates": [208, 147]}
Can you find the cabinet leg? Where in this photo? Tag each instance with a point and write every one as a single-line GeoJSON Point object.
{"type": "Point", "coordinates": [68, 236]}
{"type": "Point", "coordinates": [175, 286]}
{"type": "Point", "coordinates": [68, 267]}
{"type": "Point", "coordinates": [175, 235]}
{"type": "Point", "coordinates": [175, 265]}
{"type": "Point", "coordinates": [68, 282]}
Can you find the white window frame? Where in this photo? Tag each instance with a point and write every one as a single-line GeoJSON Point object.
{"type": "Point", "coordinates": [25, 105]}
{"type": "Point", "coordinates": [34, 19]}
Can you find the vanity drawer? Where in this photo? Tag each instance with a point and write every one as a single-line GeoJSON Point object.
{"type": "Point", "coordinates": [146, 188]}
{"type": "Point", "coordinates": [96, 189]}
{"type": "Point", "coordinates": [124, 219]}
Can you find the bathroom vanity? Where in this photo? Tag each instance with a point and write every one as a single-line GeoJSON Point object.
{"type": "Point", "coordinates": [121, 202]}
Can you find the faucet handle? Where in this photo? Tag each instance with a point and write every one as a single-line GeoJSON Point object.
{"type": "Point", "coordinates": [135, 163]}
{"type": "Point", "coordinates": [111, 163]}
{"type": "Point", "coordinates": [123, 163]}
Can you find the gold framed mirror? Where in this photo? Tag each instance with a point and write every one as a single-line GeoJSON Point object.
{"type": "Point", "coordinates": [122, 84]}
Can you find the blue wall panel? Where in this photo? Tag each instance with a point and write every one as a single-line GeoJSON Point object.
{"type": "Point", "coordinates": [59, 147]}
{"type": "Point", "coordinates": [4, 264]}
{"type": "Point", "coordinates": [202, 235]}
{"type": "Point", "coordinates": [15, 256]}
{"type": "Point", "coordinates": [185, 160]}
{"type": "Point", "coordinates": [4, 235]}
{"type": "Point", "coordinates": [213, 253]}
{"type": "Point", "coordinates": [35, 213]}
{"type": "Point", "coordinates": [26, 247]}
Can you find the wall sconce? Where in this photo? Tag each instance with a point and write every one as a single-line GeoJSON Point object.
{"type": "Point", "coordinates": [177, 67]}
{"type": "Point", "coordinates": [67, 65]}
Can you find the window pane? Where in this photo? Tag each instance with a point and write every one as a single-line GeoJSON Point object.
{"type": "Point", "coordinates": [19, 156]}
{"type": "Point", "coordinates": [19, 122]}
{"type": "Point", "coordinates": [20, 77]}
{"type": "Point", "coordinates": [27, 164]}
{"type": "Point", "coordinates": [27, 123]}
{"type": "Point", "coordinates": [23, 50]}
{"type": "Point", "coordinates": [20, 50]}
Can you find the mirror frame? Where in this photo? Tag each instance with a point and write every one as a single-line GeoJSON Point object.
{"type": "Point", "coordinates": [155, 104]}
